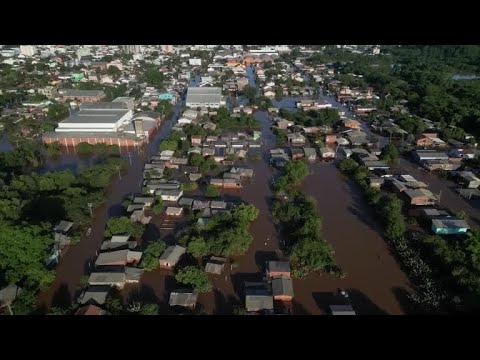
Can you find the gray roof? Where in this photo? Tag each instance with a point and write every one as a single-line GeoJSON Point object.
{"type": "Point", "coordinates": [95, 294]}
{"type": "Point", "coordinates": [342, 310]}
{"type": "Point", "coordinates": [282, 286]}
{"type": "Point", "coordinates": [450, 223]}
{"type": "Point", "coordinates": [133, 207]}
{"type": "Point", "coordinates": [86, 134]}
{"type": "Point", "coordinates": [172, 254]}
{"type": "Point", "coordinates": [81, 93]}
{"type": "Point", "coordinates": [309, 151]}
{"type": "Point", "coordinates": [109, 245]}
{"type": "Point", "coordinates": [204, 95]}
{"type": "Point", "coordinates": [183, 297]}
{"type": "Point", "coordinates": [194, 176]}
{"type": "Point", "coordinates": [96, 116]}
{"type": "Point", "coordinates": [106, 278]}
{"type": "Point", "coordinates": [133, 273]}
{"type": "Point", "coordinates": [218, 204]}
{"type": "Point", "coordinates": [200, 204]}
{"type": "Point", "coordinates": [215, 265]}
{"type": "Point", "coordinates": [108, 258]}
{"type": "Point", "coordinates": [103, 106]}
{"type": "Point", "coordinates": [120, 238]}
{"type": "Point", "coordinates": [186, 202]}
{"type": "Point", "coordinates": [259, 302]}
{"type": "Point", "coordinates": [9, 293]}
{"type": "Point", "coordinates": [143, 199]}
{"type": "Point", "coordinates": [278, 266]}
{"type": "Point", "coordinates": [63, 226]}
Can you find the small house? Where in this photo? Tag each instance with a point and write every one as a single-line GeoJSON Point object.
{"type": "Point", "coordinates": [144, 200]}
{"type": "Point", "coordinates": [185, 202]}
{"type": "Point", "coordinates": [183, 297]}
{"type": "Point", "coordinates": [258, 297]}
{"type": "Point", "coordinates": [296, 153]}
{"type": "Point", "coordinates": [94, 295]}
{"type": "Point", "coordinates": [133, 274]}
{"type": "Point", "coordinates": [112, 258]}
{"type": "Point", "coordinates": [196, 140]}
{"type": "Point", "coordinates": [170, 256]}
{"type": "Point", "coordinates": [174, 211]}
{"type": "Point", "coordinates": [327, 153]}
{"type": "Point", "coordinates": [90, 310]}
{"type": "Point", "coordinates": [120, 238]}
{"type": "Point", "coordinates": [296, 139]}
{"type": "Point", "coordinates": [216, 204]}
{"type": "Point", "coordinates": [116, 279]}
{"type": "Point", "coordinates": [376, 182]}
{"type": "Point", "coordinates": [330, 139]}
{"type": "Point", "coordinates": [231, 184]}
{"type": "Point", "coordinates": [282, 288]}
{"type": "Point", "coordinates": [8, 294]}
{"type": "Point", "coordinates": [469, 180]}
{"type": "Point", "coordinates": [171, 195]}
{"type": "Point", "coordinates": [215, 265]}
{"type": "Point", "coordinates": [194, 176]}
{"type": "Point", "coordinates": [310, 154]}
{"type": "Point", "coordinates": [200, 204]}
{"type": "Point", "coordinates": [278, 268]}
{"type": "Point", "coordinates": [419, 197]}
{"type": "Point", "coordinates": [449, 226]}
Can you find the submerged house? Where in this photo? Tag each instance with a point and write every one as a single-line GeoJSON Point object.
{"type": "Point", "coordinates": [449, 226]}
{"type": "Point", "coordinates": [183, 297]}
{"type": "Point", "coordinates": [171, 256]}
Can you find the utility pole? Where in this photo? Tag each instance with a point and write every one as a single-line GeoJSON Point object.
{"type": "Point", "coordinates": [439, 196]}
{"type": "Point", "coordinates": [130, 158]}
{"type": "Point", "coordinates": [119, 174]}
{"type": "Point", "coordinates": [90, 205]}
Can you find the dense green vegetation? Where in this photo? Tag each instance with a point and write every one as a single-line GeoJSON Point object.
{"type": "Point", "coordinates": [225, 121]}
{"type": "Point", "coordinates": [190, 186]}
{"type": "Point", "coordinates": [313, 117]}
{"type": "Point", "coordinates": [151, 255]}
{"type": "Point", "coordinates": [84, 148]}
{"type": "Point", "coordinates": [305, 246]}
{"type": "Point", "coordinates": [212, 191]}
{"type": "Point", "coordinates": [295, 172]}
{"type": "Point", "coordinates": [195, 277]}
{"type": "Point", "coordinates": [204, 164]}
{"type": "Point", "coordinates": [226, 234]}
{"type": "Point", "coordinates": [122, 225]}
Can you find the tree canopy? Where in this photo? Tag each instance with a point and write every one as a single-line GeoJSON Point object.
{"type": "Point", "coordinates": [194, 276]}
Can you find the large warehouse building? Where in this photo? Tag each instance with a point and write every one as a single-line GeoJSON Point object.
{"type": "Point", "coordinates": [110, 122]}
{"type": "Point", "coordinates": [205, 97]}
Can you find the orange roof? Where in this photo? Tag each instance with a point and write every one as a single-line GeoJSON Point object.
{"type": "Point", "coordinates": [90, 310]}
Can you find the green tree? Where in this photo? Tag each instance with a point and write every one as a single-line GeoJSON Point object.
{"type": "Point", "coordinates": [389, 154]}
{"type": "Point", "coordinates": [196, 159]}
{"type": "Point", "coordinates": [113, 302]}
{"type": "Point", "coordinates": [114, 72]}
{"type": "Point", "coordinates": [347, 166]}
{"type": "Point", "coordinates": [197, 247]}
{"type": "Point", "coordinates": [168, 145]}
{"type": "Point", "coordinates": [164, 108]}
{"type": "Point", "coordinates": [149, 309]}
{"type": "Point", "coordinates": [390, 208]}
{"type": "Point", "coordinates": [190, 186]}
{"type": "Point", "coordinates": [158, 206]}
{"type": "Point", "coordinates": [23, 251]}
{"type": "Point", "coordinates": [151, 255]}
{"type": "Point", "coordinates": [122, 225]}
{"type": "Point", "coordinates": [84, 148]}
{"type": "Point", "coordinates": [25, 303]}
{"type": "Point", "coordinates": [207, 165]}
{"type": "Point", "coordinates": [212, 191]}
{"type": "Point", "coordinates": [195, 277]}
{"type": "Point", "coordinates": [57, 111]}
{"type": "Point", "coordinates": [250, 92]}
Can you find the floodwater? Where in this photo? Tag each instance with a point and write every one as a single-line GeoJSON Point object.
{"type": "Point", "coordinates": [5, 145]}
{"type": "Point", "coordinates": [374, 279]}
{"type": "Point", "coordinates": [78, 259]}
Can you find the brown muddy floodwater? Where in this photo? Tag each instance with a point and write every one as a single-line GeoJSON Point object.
{"type": "Point", "coordinates": [78, 259]}
{"type": "Point", "coordinates": [374, 279]}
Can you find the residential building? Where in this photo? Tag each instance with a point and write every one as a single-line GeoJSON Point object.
{"type": "Point", "coordinates": [171, 256]}
{"type": "Point", "coordinates": [184, 298]}
{"type": "Point", "coordinates": [215, 265]}
{"type": "Point", "coordinates": [449, 226]}
{"type": "Point", "coordinates": [81, 95]}
{"type": "Point", "coordinates": [282, 288]}
{"type": "Point", "coordinates": [278, 268]}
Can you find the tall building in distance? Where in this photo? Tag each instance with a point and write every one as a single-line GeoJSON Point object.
{"type": "Point", "coordinates": [28, 50]}
{"type": "Point", "coordinates": [168, 49]}
{"type": "Point", "coordinates": [132, 49]}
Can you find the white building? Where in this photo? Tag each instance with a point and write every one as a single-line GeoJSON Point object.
{"type": "Point", "coordinates": [195, 62]}
{"type": "Point", "coordinates": [95, 120]}
{"type": "Point", "coordinates": [205, 97]}
{"type": "Point", "coordinates": [132, 49]}
{"type": "Point", "coordinates": [28, 50]}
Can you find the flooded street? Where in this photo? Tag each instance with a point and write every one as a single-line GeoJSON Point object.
{"type": "Point", "coordinates": [76, 262]}
{"type": "Point", "coordinates": [375, 281]}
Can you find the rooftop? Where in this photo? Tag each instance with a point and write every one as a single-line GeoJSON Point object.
{"type": "Point", "coordinates": [96, 116]}
{"type": "Point", "coordinates": [204, 94]}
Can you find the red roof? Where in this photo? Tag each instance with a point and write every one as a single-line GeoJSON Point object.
{"type": "Point", "coordinates": [90, 310]}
